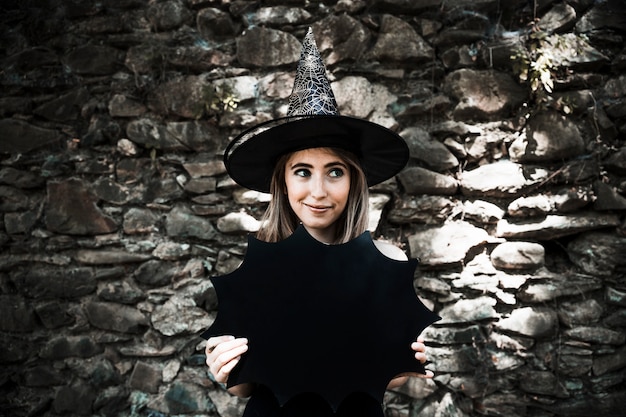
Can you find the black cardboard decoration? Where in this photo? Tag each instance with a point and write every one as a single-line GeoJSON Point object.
{"type": "Point", "coordinates": [325, 319]}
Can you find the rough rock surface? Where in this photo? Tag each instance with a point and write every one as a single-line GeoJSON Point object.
{"type": "Point", "coordinates": [116, 207]}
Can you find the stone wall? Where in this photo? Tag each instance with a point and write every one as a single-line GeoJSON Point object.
{"type": "Point", "coordinates": [116, 207]}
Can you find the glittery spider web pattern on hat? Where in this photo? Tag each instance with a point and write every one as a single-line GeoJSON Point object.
{"type": "Point", "coordinates": [311, 94]}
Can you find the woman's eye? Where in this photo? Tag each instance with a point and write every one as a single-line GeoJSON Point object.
{"type": "Point", "coordinates": [302, 173]}
{"type": "Point", "coordinates": [336, 172]}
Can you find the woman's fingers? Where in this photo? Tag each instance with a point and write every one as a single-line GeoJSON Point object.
{"type": "Point", "coordinates": [420, 350]}
{"type": "Point", "coordinates": [420, 354]}
{"type": "Point", "coordinates": [223, 355]}
{"type": "Point", "coordinates": [212, 343]}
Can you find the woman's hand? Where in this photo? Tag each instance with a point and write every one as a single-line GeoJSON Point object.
{"type": "Point", "coordinates": [222, 355]}
{"type": "Point", "coordinates": [420, 354]}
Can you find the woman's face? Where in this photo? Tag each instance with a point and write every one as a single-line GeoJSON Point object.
{"type": "Point", "coordinates": [318, 184]}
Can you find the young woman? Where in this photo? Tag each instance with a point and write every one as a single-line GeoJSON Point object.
{"type": "Point", "coordinates": [318, 166]}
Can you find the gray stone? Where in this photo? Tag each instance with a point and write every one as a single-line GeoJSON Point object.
{"type": "Point", "coordinates": [433, 285]}
{"type": "Point", "coordinates": [146, 351]}
{"type": "Point", "coordinates": [18, 223]}
{"type": "Point", "coordinates": [555, 226]}
{"type": "Point", "coordinates": [610, 362]}
{"type": "Point", "coordinates": [105, 257]}
{"type": "Point", "coordinates": [94, 60]}
{"type": "Point", "coordinates": [227, 404]}
{"type": "Point", "coordinates": [14, 199]}
{"type": "Point", "coordinates": [155, 273]}
{"type": "Point", "coordinates": [426, 210]}
{"type": "Point", "coordinates": [48, 282]}
{"type": "Point", "coordinates": [482, 211]}
{"type": "Point", "coordinates": [429, 152]}
{"type": "Point", "coordinates": [171, 251]}
{"type": "Point", "coordinates": [180, 315]}
{"type": "Point", "coordinates": [124, 292]}
{"type": "Point", "coordinates": [77, 398]}
{"type": "Point", "coordinates": [598, 253]}
{"type": "Point", "coordinates": [181, 223]}
{"type": "Point", "coordinates": [71, 209]}
{"type": "Point", "coordinates": [341, 38]}
{"type": "Point", "coordinates": [111, 400]}
{"type": "Point", "coordinates": [416, 180]}
{"type": "Point", "coordinates": [349, 88]}
{"type": "Point", "coordinates": [204, 166]}
{"type": "Point", "coordinates": [43, 376]}
{"type": "Point", "coordinates": [464, 311]}
{"type": "Point", "coordinates": [15, 349]}
{"type": "Point", "coordinates": [14, 132]}
{"type": "Point", "coordinates": [398, 41]}
{"type": "Point", "coordinates": [449, 336]}
{"type": "Point", "coordinates": [20, 179]}
{"type": "Point", "coordinates": [534, 322]}
{"type": "Point", "coordinates": [518, 255]}
{"type": "Point", "coordinates": [564, 201]}
{"type": "Point", "coordinates": [16, 315]}
{"type": "Point", "coordinates": [616, 297]}
{"type": "Point", "coordinates": [123, 106]}
{"type": "Point", "coordinates": [607, 198]}
{"type": "Point", "coordinates": [596, 335]}
{"type": "Point", "coordinates": [502, 179]}
{"type": "Point", "coordinates": [549, 136]}
{"type": "Point", "coordinates": [454, 359]}
{"type": "Point", "coordinates": [404, 6]}
{"type": "Point", "coordinates": [280, 16]}
{"type": "Point", "coordinates": [167, 15]}
{"type": "Point", "coordinates": [175, 136]}
{"type": "Point", "coordinates": [62, 347]}
{"type": "Point", "coordinates": [140, 220]}
{"type": "Point", "coordinates": [237, 223]}
{"type": "Point", "coordinates": [53, 314]}
{"type": "Point", "coordinates": [546, 287]}
{"type": "Point", "coordinates": [543, 383]}
{"type": "Point", "coordinates": [478, 282]}
{"type": "Point", "coordinates": [560, 17]}
{"type": "Point", "coordinates": [116, 317]}
{"type": "Point", "coordinates": [186, 398]}
{"type": "Point", "coordinates": [145, 378]}
{"type": "Point", "coordinates": [483, 95]}
{"type": "Point", "coordinates": [615, 162]}
{"type": "Point", "coordinates": [261, 47]}
{"type": "Point", "coordinates": [582, 312]}
{"type": "Point", "coordinates": [213, 23]}
{"type": "Point", "coordinates": [617, 319]}
{"type": "Point", "coordinates": [119, 194]}
{"type": "Point", "coordinates": [574, 52]}
{"type": "Point", "coordinates": [64, 108]}
{"type": "Point", "coordinates": [447, 244]}
{"type": "Point", "coordinates": [575, 364]}
{"type": "Point", "coordinates": [418, 388]}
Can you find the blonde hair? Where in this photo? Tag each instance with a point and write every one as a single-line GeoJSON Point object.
{"type": "Point", "coordinates": [279, 220]}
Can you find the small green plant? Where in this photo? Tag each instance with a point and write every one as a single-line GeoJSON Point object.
{"type": "Point", "coordinates": [536, 64]}
{"type": "Point", "coordinates": [219, 98]}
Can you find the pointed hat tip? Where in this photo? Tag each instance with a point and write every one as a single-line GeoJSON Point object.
{"type": "Point", "coordinates": [311, 94]}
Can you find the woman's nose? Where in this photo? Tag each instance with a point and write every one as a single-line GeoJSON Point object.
{"type": "Point", "coordinates": [318, 188]}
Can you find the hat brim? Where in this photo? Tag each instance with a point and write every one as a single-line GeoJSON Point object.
{"type": "Point", "coordinates": [250, 158]}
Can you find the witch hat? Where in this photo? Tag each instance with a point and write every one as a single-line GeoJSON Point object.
{"type": "Point", "coordinates": [313, 121]}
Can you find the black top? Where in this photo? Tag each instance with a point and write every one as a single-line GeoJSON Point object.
{"type": "Point", "coordinates": [264, 404]}
{"type": "Point", "coordinates": [315, 315]}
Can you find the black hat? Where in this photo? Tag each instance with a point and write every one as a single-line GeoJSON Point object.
{"type": "Point", "coordinates": [313, 121]}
